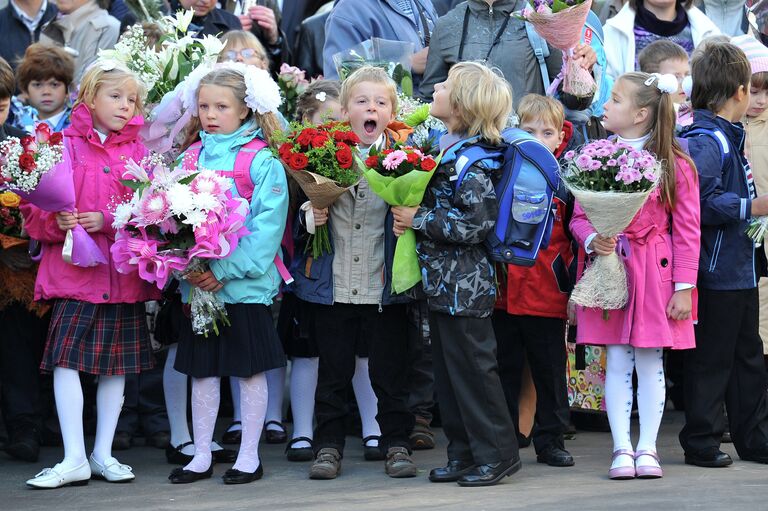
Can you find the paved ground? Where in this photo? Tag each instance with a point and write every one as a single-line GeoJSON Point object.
{"type": "Point", "coordinates": [363, 485]}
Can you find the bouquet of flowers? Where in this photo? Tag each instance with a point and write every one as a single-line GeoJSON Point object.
{"type": "Point", "coordinates": [173, 223]}
{"type": "Point", "coordinates": [560, 23]}
{"type": "Point", "coordinates": [320, 159]}
{"type": "Point", "coordinates": [756, 230]}
{"type": "Point", "coordinates": [11, 221]}
{"type": "Point", "coordinates": [134, 52]}
{"type": "Point", "coordinates": [400, 176]}
{"type": "Point", "coordinates": [392, 56]}
{"type": "Point", "coordinates": [611, 181]}
{"type": "Point", "coordinates": [39, 170]}
{"type": "Point", "coordinates": [292, 82]}
{"type": "Point", "coordinates": [427, 130]}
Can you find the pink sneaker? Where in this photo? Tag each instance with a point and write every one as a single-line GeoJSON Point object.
{"type": "Point", "coordinates": [622, 472]}
{"type": "Point", "coordinates": [648, 471]}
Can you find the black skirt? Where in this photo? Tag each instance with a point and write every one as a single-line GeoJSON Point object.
{"type": "Point", "coordinates": [248, 346]}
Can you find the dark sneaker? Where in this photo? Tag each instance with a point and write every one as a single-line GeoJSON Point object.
{"type": "Point", "coordinates": [399, 463]}
{"type": "Point", "coordinates": [422, 437]}
{"type": "Point", "coordinates": [327, 464]}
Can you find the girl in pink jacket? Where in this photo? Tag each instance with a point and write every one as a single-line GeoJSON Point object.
{"type": "Point", "coordinates": [98, 323]}
{"type": "Point", "coordinates": [661, 263]}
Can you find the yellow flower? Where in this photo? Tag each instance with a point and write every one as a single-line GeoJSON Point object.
{"type": "Point", "coordinates": [9, 200]}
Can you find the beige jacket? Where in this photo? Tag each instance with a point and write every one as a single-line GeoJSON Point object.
{"type": "Point", "coordinates": [82, 34]}
{"type": "Point", "coordinates": [757, 153]}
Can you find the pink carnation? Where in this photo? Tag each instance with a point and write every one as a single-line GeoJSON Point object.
{"type": "Point", "coordinates": [155, 208]}
{"type": "Point", "coordinates": [584, 161]}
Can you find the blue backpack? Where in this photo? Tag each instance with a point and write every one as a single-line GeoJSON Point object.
{"type": "Point", "coordinates": [716, 135]}
{"type": "Point", "coordinates": [525, 189]}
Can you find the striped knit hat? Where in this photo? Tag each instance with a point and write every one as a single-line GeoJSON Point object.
{"type": "Point", "coordinates": [757, 54]}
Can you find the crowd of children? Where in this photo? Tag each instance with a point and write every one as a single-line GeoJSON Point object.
{"type": "Point", "coordinates": [493, 328]}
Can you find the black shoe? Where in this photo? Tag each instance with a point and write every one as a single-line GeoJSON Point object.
{"type": "Point", "coordinates": [726, 438]}
{"type": "Point", "coordinates": [711, 458]}
{"type": "Point", "coordinates": [181, 476]}
{"type": "Point", "coordinates": [175, 456]}
{"type": "Point", "coordinates": [757, 455]}
{"type": "Point", "coordinates": [555, 457]}
{"type": "Point", "coordinates": [299, 453]}
{"type": "Point", "coordinates": [490, 474]}
{"type": "Point", "coordinates": [159, 440]}
{"type": "Point", "coordinates": [273, 436]}
{"type": "Point", "coordinates": [234, 476]}
{"type": "Point", "coordinates": [224, 456]}
{"type": "Point", "coordinates": [23, 443]}
{"type": "Point", "coordinates": [451, 472]}
{"type": "Point", "coordinates": [232, 437]}
{"type": "Point", "coordinates": [523, 441]}
{"type": "Point", "coordinates": [372, 452]}
{"type": "Point", "coordinates": [122, 441]}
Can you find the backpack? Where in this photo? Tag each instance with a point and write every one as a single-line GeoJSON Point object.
{"type": "Point", "coordinates": [717, 135]}
{"type": "Point", "coordinates": [525, 190]}
{"type": "Point", "coordinates": [241, 173]}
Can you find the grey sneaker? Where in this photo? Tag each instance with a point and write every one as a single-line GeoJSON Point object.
{"type": "Point", "coordinates": [399, 463]}
{"type": "Point", "coordinates": [327, 464]}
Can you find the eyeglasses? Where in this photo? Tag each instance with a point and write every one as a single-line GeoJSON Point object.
{"type": "Point", "coordinates": [246, 53]}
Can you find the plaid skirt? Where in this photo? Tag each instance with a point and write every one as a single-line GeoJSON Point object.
{"type": "Point", "coordinates": [105, 338]}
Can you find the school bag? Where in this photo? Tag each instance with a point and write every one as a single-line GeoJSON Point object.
{"type": "Point", "coordinates": [525, 189]}
{"type": "Point", "coordinates": [241, 173]}
{"type": "Point", "coordinates": [716, 135]}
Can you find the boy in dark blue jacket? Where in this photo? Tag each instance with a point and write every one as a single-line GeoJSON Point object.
{"type": "Point", "coordinates": [727, 363]}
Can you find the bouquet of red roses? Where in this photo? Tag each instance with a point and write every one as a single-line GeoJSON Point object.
{"type": "Point", "coordinates": [400, 176]}
{"type": "Point", "coordinates": [11, 221]}
{"type": "Point", "coordinates": [320, 158]}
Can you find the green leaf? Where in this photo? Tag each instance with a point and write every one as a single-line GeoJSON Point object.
{"type": "Point", "coordinates": [559, 5]}
{"type": "Point", "coordinates": [188, 179]}
{"type": "Point", "coordinates": [130, 183]}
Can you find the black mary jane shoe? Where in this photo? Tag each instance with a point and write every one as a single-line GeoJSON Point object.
{"type": "Point", "coordinates": [372, 452]}
{"type": "Point", "coordinates": [451, 472]}
{"type": "Point", "coordinates": [299, 453]}
{"type": "Point", "coordinates": [181, 476]}
{"type": "Point", "coordinates": [224, 455]}
{"type": "Point", "coordinates": [490, 474]}
{"type": "Point", "coordinates": [274, 436]}
{"type": "Point", "coordinates": [175, 456]}
{"type": "Point", "coordinates": [232, 437]}
{"type": "Point", "coordinates": [234, 476]}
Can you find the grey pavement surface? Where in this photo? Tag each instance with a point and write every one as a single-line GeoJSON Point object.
{"type": "Point", "coordinates": [364, 486]}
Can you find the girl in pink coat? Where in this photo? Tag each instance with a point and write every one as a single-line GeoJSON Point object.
{"type": "Point", "coordinates": [661, 262]}
{"type": "Point", "coordinates": [98, 324]}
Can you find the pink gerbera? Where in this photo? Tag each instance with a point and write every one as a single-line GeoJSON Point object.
{"type": "Point", "coordinates": [394, 159]}
{"type": "Point", "coordinates": [155, 208]}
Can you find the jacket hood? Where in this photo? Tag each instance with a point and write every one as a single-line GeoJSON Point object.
{"type": "Point", "coordinates": [568, 130]}
{"type": "Point", "coordinates": [398, 131]}
{"type": "Point", "coordinates": [218, 144]}
{"type": "Point", "coordinates": [82, 126]}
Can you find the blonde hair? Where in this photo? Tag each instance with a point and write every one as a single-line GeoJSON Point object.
{"type": "Point", "coordinates": [661, 121]}
{"type": "Point", "coordinates": [95, 77]}
{"type": "Point", "coordinates": [481, 100]}
{"type": "Point", "coordinates": [535, 106]}
{"type": "Point", "coordinates": [246, 40]}
{"type": "Point", "coordinates": [224, 77]}
{"type": "Point", "coordinates": [368, 74]}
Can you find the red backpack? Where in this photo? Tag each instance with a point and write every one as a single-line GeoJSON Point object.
{"type": "Point", "coordinates": [241, 173]}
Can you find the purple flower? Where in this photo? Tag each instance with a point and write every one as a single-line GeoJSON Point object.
{"type": "Point", "coordinates": [570, 155]}
{"type": "Point", "coordinates": [611, 163]}
{"type": "Point", "coordinates": [622, 159]}
{"type": "Point", "coordinates": [595, 165]}
{"type": "Point", "coordinates": [584, 161]}
{"type": "Point", "coordinates": [603, 152]}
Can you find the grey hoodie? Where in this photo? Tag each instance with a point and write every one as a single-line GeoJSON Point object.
{"type": "Point", "coordinates": [513, 55]}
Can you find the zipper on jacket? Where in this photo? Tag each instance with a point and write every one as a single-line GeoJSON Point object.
{"type": "Point", "coordinates": [716, 250]}
{"type": "Point", "coordinates": [381, 309]}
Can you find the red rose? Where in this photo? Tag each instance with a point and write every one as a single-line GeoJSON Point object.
{"type": "Point", "coordinates": [372, 162]}
{"type": "Point", "coordinates": [28, 144]}
{"type": "Point", "coordinates": [344, 157]}
{"type": "Point", "coordinates": [412, 158]}
{"type": "Point", "coordinates": [55, 139]}
{"type": "Point", "coordinates": [386, 151]}
{"type": "Point", "coordinates": [305, 137]}
{"type": "Point", "coordinates": [298, 161]}
{"type": "Point", "coordinates": [43, 132]}
{"type": "Point", "coordinates": [27, 162]}
{"type": "Point", "coordinates": [285, 151]}
{"type": "Point", "coordinates": [428, 164]}
{"type": "Point", "coordinates": [352, 138]}
{"type": "Point", "coordinates": [339, 136]}
{"type": "Point", "coordinates": [319, 140]}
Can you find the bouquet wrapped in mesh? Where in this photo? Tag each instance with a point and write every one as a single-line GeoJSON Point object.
{"type": "Point", "coordinates": [611, 181]}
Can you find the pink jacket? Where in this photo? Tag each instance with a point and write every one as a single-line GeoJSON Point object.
{"type": "Point", "coordinates": [97, 171]}
{"type": "Point", "coordinates": [664, 248]}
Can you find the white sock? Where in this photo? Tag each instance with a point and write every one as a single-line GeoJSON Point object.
{"type": "Point", "coordinates": [303, 386]}
{"type": "Point", "coordinates": [234, 387]}
{"type": "Point", "coordinates": [276, 385]}
{"type": "Point", "coordinates": [253, 397]}
{"type": "Point", "coordinates": [366, 400]}
{"type": "Point", "coordinates": [69, 405]}
{"type": "Point", "coordinates": [175, 390]}
{"type": "Point", "coordinates": [651, 395]}
{"type": "Point", "coordinates": [618, 398]}
{"type": "Point", "coordinates": [109, 402]}
{"type": "Point", "coordinates": [206, 396]}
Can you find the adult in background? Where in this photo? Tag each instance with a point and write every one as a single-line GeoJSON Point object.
{"type": "Point", "coordinates": [20, 24]}
{"type": "Point", "coordinates": [262, 18]}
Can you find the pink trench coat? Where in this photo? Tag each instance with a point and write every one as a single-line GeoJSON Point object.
{"type": "Point", "coordinates": [664, 250]}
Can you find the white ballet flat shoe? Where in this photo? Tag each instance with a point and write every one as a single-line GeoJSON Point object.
{"type": "Point", "coordinates": [113, 471]}
{"type": "Point", "coordinates": [57, 477]}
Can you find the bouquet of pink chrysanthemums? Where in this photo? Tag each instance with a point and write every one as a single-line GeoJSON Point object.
{"type": "Point", "coordinates": [611, 181]}
{"type": "Point", "coordinates": [172, 224]}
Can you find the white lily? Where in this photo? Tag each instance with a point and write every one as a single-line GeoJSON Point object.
{"type": "Point", "coordinates": [183, 19]}
{"type": "Point", "coordinates": [212, 45]}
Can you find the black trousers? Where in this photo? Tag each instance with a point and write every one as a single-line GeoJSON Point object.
{"type": "Point", "coordinates": [144, 409]}
{"type": "Point", "coordinates": [542, 341]}
{"type": "Point", "coordinates": [421, 378]}
{"type": "Point", "coordinates": [726, 365]}
{"type": "Point", "coordinates": [338, 328]}
{"type": "Point", "coordinates": [22, 339]}
{"type": "Point", "coordinates": [472, 407]}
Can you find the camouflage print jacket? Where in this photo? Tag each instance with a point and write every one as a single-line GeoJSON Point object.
{"type": "Point", "coordinates": [451, 226]}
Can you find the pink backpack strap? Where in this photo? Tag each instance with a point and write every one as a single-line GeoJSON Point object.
{"type": "Point", "coordinates": [242, 170]}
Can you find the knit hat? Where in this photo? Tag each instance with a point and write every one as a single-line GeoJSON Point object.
{"type": "Point", "coordinates": [757, 54]}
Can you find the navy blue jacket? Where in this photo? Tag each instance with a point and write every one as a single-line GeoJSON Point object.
{"type": "Point", "coordinates": [728, 259]}
{"type": "Point", "coordinates": [16, 35]}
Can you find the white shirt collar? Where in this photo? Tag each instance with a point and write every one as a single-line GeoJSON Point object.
{"type": "Point", "coordinates": [31, 23]}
